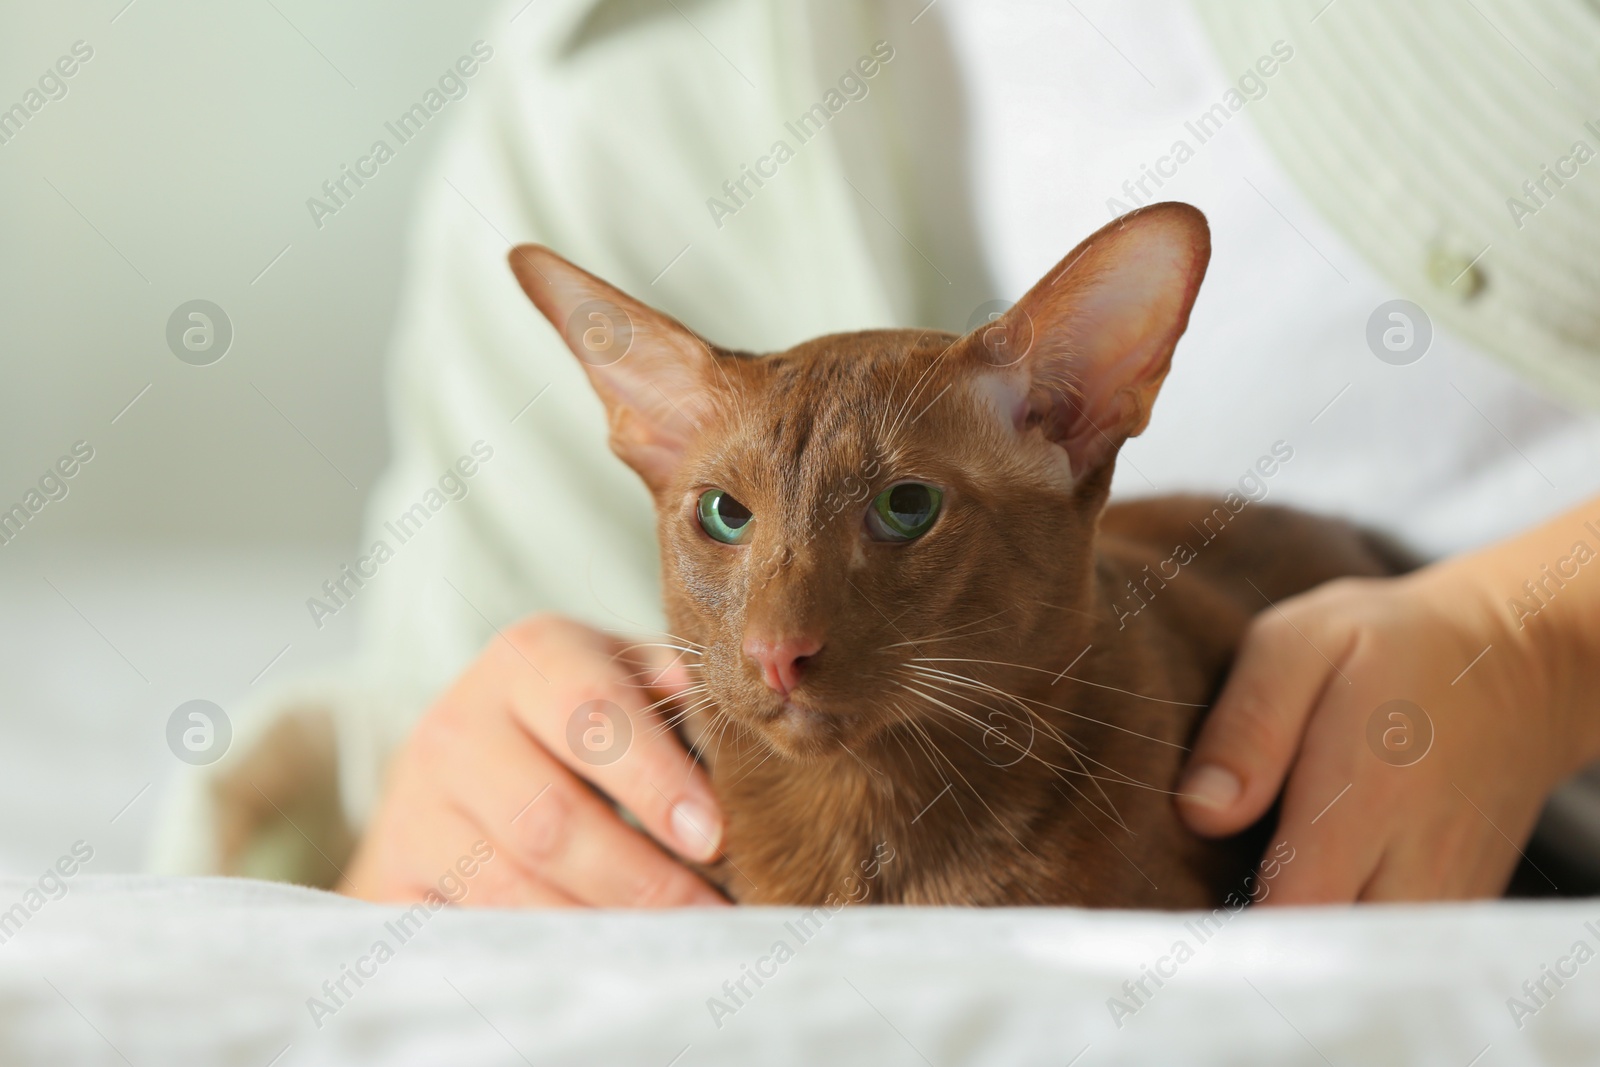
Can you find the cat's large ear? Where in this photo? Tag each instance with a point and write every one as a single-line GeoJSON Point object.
{"type": "Point", "coordinates": [1084, 353]}
{"type": "Point", "coordinates": [650, 370]}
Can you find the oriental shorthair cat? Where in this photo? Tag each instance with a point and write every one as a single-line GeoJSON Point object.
{"type": "Point", "coordinates": [915, 627]}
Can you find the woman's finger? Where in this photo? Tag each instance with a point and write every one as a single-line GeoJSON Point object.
{"type": "Point", "coordinates": [1337, 807]}
{"type": "Point", "coordinates": [1246, 744]}
{"type": "Point", "coordinates": [610, 727]}
{"type": "Point", "coordinates": [505, 885]}
{"type": "Point", "coordinates": [437, 849]}
{"type": "Point", "coordinates": [559, 830]}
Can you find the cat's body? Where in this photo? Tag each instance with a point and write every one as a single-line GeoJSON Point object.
{"type": "Point", "coordinates": [805, 834]}
{"type": "Point", "coordinates": [1022, 821]}
{"type": "Point", "coordinates": [889, 564]}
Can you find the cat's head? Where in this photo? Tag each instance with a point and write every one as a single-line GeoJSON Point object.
{"type": "Point", "coordinates": [843, 520]}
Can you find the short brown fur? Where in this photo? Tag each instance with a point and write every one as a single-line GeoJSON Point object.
{"type": "Point", "coordinates": [978, 705]}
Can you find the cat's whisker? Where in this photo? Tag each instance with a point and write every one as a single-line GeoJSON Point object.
{"type": "Point", "coordinates": [962, 679]}
{"type": "Point", "coordinates": [1117, 777]}
{"type": "Point", "coordinates": [705, 741]}
{"type": "Point", "coordinates": [1100, 788]}
{"type": "Point", "coordinates": [899, 711]}
{"type": "Point", "coordinates": [683, 646]}
{"type": "Point", "coordinates": [933, 747]}
{"type": "Point", "coordinates": [935, 362]}
{"type": "Point", "coordinates": [699, 687]}
{"type": "Point", "coordinates": [677, 718]}
{"type": "Point", "coordinates": [971, 789]}
{"type": "Point", "coordinates": [935, 640]}
{"type": "Point", "coordinates": [864, 764]}
{"type": "Point", "coordinates": [953, 678]}
{"type": "Point", "coordinates": [953, 633]}
{"type": "Point", "coordinates": [1027, 752]}
{"type": "Point", "coordinates": [971, 719]}
{"type": "Point", "coordinates": [885, 424]}
{"type": "Point", "coordinates": [1107, 836]}
{"type": "Point", "coordinates": [650, 677]}
{"type": "Point", "coordinates": [1034, 717]}
{"type": "Point", "coordinates": [771, 751]}
{"type": "Point", "coordinates": [696, 697]}
{"type": "Point", "coordinates": [732, 390]}
{"type": "Point", "coordinates": [725, 725]}
{"type": "Point", "coordinates": [629, 631]}
{"type": "Point", "coordinates": [634, 626]}
{"type": "Point", "coordinates": [925, 742]}
{"type": "Point", "coordinates": [667, 727]}
{"type": "Point", "coordinates": [663, 724]}
{"type": "Point", "coordinates": [903, 718]}
{"type": "Point", "coordinates": [651, 670]}
{"type": "Point", "coordinates": [883, 412]}
{"type": "Point", "coordinates": [1069, 677]}
{"type": "Point", "coordinates": [1071, 611]}
{"type": "Point", "coordinates": [684, 650]}
{"type": "Point", "coordinates": [696, 690]}
{"type": "Point", "coordinates": [916, 391]}
{"type": "Point", "coordinates": [949, 631]}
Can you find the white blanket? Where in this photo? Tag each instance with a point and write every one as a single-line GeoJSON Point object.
{"type": "Point", "coordinates": [153, 971]}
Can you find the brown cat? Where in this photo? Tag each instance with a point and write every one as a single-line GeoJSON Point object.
{"type": "Point", "coordinates": [934, 666]}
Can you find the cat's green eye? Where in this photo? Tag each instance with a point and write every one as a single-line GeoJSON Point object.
{"type": "Point", "coordinates": [904, 512]}
{"type": "Point", "coordinates": [723, 518]}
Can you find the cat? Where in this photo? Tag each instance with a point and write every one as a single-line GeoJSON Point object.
{"type": "Point", "coordinates": [920, 673]}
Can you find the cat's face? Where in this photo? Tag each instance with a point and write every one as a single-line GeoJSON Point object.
{"type": "Point", "coordinates": [847, 524]}
{"type": "Point", "coordinates": [853, 513]}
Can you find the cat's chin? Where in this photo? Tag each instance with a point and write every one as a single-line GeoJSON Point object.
{"type": "Point", "coordinates": [800, 732]}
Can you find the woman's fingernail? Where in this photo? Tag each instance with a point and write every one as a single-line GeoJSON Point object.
{"type": "Point", "coordinates": [697, 828]}
{"type": "Point", "coordinates": [1212, 786]}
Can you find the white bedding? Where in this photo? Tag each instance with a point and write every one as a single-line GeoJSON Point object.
{"type": "Point", "coordinates": [214, 972]}
{"type": "Point", "coordinates": [152, 971]}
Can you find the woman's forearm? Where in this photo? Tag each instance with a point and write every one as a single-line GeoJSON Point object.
{"type": "Point", "coordinates": [1543, 590]}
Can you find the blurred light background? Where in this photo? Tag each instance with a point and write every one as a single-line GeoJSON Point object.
{"type": "Point", "coordinates": [177, 167]}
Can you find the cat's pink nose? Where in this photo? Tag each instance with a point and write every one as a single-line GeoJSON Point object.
{"type": "Point", "coordinates": [782, 660]}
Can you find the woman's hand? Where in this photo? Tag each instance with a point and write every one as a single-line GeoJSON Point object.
{"type": "Point", "coordinates": [1423, 800]}
{"type": "Point", "coordinates": [508, 756]}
